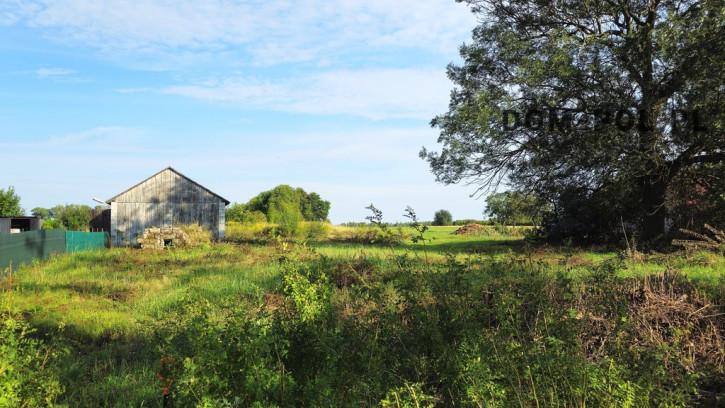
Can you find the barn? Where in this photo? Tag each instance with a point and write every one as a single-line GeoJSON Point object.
{"type": "Point", "coordinates": [164, 199]}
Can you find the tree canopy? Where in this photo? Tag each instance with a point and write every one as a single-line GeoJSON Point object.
{"type": "Point", "coordinates": [73, 217]}
{"type": "Point", "coordinates": [40, 212]}
{"type": "Point", "coordinates": [442, 217]}
{"type": "Point", "coordinates": [278, 203]}
{"type": "Point", "coordinates": [610, 105]}
{"type": "Point", "coordinates": [10, 203]}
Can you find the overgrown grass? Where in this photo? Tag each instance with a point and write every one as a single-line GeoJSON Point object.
{"type": "Point", "coordinates": [452, 320]}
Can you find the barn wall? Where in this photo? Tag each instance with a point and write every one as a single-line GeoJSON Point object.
{"type": "Point", "coordinates": [167, 186]}
{"type": "Point", "coordinates": [133, 218]}
{"type": "Point", "coordinates": [164, 200]}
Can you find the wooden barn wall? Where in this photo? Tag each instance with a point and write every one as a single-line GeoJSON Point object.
{"type": "Point", "coordinates": [133, 218]}
{"type": "Point", "coordinates": [164, 200]}
{"type": "Point", "coordinates": [167, 186]}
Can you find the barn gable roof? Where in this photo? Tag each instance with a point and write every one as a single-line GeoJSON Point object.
{"type": "Point", "coordinates": [114, 198]}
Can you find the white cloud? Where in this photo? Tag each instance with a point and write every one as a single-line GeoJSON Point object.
{"type": "Point", "coordinates": [374, 93]}
{"type": "Point", "coordinates": [269, 32]}
{"type": "Point", "coordinates": [99, 140]}
{"type": "Point", "coordinates": [53, 72]}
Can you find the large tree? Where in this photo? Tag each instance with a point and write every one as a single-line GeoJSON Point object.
{"type": "Point", "coordinates": [311, 206]}
{"type": "Point", "coordinates": [616, 101]}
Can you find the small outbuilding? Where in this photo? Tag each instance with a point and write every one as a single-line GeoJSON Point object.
{"type": "Point", "coordinates": [163, 200]}
{"type": "Point", "coordinates": [14, 225]}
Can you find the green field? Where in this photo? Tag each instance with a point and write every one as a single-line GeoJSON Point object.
{"type": "Point", "coordinates": [451, 321]}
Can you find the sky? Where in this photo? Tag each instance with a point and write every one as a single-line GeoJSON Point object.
{"type": "Point", "coordinates": [335, 97]}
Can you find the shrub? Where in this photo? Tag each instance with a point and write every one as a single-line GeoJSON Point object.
{"type": "Point", "coordinates": [28, 371]}
{"type": "Point", "coordinates": [256, 232]}
{"type": "Point", "coordinates": [253, 217]}
{"type": "Point", "coordinates": [316, 229]}
{"type": "Point", "coordinates": [53, 224]}
{"type": "Point", "coordinates": [287, 216]}
{"type": "Point", "coordinates": [240, 213]}
{"type": "Point", "coordinates": [217, 356]}
{"type": "Point", "coordinates": [234, 212]}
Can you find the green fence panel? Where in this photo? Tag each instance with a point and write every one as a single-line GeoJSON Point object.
{"type": "Point", "coordinates": [83, 241]}
{"type": "Point", "coordinates": [22, 248]}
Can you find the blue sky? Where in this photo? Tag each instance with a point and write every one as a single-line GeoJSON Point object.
{"type": "Point", "coordinates": [241, 96]}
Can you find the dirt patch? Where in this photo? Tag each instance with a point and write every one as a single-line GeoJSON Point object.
{"type": "Point", "coordinates": [469, 229]}
{"type": "Point", "coordinates": [121, 295]}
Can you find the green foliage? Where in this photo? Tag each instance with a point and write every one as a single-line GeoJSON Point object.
{"type": "Point", "coordinates": [75, 217]}
{"type": "Point", "coordinates": [408, 396]}
{"type": "Point", "coordinates": [383, 234]}
{"type": "Point", "coordinates": [10, 203]}
{"type": "Point", "coordinates": [513, 208]}
{"type": "Point", "coordinates": [286, 214]}
{"type": "Point", "coordinates": [311, 206]}
{"type": "Point", "coordinates": [316, 229]}
{"type": "Point", "coordinates": [694, 202]}
{"type": "Point", "coordinates": [419, 228]}
{"type": "Point", "coordinates": [252, 217]}
{"type": "Point", "coordinates": [28, 366]}
{"type": "Point", "coordinates": [468, 221]}
{"type": "Point", "coordinates": [287, 326]}
{"type": "Point", "coordinates": [442, 217]}
{"type": "Point", "coordinates": [234, 213]}
{"type": "Point", "coordinates": [314, 208]}
{"type": "Point", "coordinates": [40, 212]}
{"type": "Point", "coordinates": [221, 357]}
{"type": "Point", "coordinates": [560, 63]}
{"type": "Point", "coordinates": [242, 214]}
{"type": "Point", "coordinates": [248, 232]}
{"type": "Point", "coordinates": [53, 224]}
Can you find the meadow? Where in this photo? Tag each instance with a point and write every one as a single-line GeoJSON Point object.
{"type": "Point", "coordinates": [450, 320]}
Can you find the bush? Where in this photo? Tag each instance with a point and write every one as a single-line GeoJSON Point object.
{"type": "Point", "coordinates": [28, 371]}
{"type": "Point", "coordinates": [239, 213]}
{"type": "Point", "coordinates": [234, 213]}
{"type": "Point", "coordinates": [246, 232]}
{"type": "Point", "coordinates": [287, 216]}
{"type": "Point", "coordinates": [316, 229]}
{"type": "Point", "coordinates": [53, 224]}
{"type": "Point", "coordinates": [253, 217]}
{"type": "Point", "coordinates": [442, 217]}
{"type": "Point", "coordinates": [371, 235]}
{"type": "Point", "coordinates": [216, 356]}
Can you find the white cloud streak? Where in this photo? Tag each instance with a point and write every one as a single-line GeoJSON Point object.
{"type": "Point", "coordinates": [272, 32]}
{"type": "Point", "coordinates": [375, 94]}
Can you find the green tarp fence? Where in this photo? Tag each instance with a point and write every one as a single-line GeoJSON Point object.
{"type": "Point", "coordinates": [22, 248]}
{"type": "Point", "coordinates": [84, 241]}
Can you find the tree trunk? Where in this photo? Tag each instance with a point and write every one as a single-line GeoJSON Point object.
{"type": "Point", "coordinates": [653, 208]}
